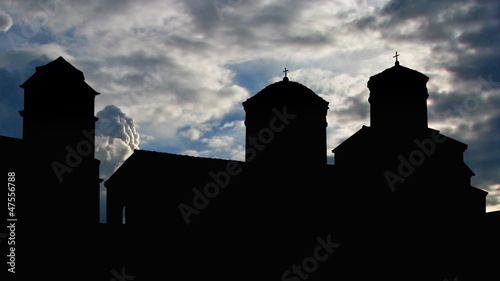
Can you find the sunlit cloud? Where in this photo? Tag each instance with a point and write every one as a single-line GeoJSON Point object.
{"type": "Point", "coordinates": [181, 69]}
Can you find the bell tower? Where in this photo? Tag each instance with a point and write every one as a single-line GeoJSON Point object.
{"type": "Point", "coordinates": [398, 99]}
{"type": "Point", "coordinates": [286, 125]}
{"type": "Point", "coordinates": [58, 130]}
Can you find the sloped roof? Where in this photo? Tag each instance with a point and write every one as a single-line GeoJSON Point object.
{"type": "Point", "coordinates": [396, 77]}
{"type": "Point", "coordinates": [60, 70]}
{"type": "Point", "coordinates": [11, 142]}
{"type": "Point", "coordinates": [359, 136]}
{"type": "Point", "coordinates": [284, 91]}
{"type": "Point", "coordinates": [146, 161]}
{"type": "Point", "coordinates": [365, 135]}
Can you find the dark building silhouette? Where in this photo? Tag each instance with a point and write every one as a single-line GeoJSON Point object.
{"type": "Point", "coordinates": [397, 205]}
{"type": "Point", "coordinates": [57, 176]}
{"type": "Point", "coordinates": [412, 182]}
{"type": "Point", "coordinates": [58, 126]}
{"type": "Point", "coordinates": [398, 99]}
{"type": "Point", "coordinates": [286, 125]}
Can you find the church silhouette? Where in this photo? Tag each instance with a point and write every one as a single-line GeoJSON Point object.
{"type": "Point", "coordinates": [397, 204]}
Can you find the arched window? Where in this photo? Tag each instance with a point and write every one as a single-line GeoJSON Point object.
{"type": "Point", "coordinates": [124, 216]}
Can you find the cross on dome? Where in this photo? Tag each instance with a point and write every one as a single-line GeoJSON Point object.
{"type": "Point", "coordinates": [286, 72]}
{"type": "Point", "coordinates": [396, 56]}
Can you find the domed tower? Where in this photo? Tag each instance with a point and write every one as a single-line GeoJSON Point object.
{"type": "Point", "coordinates": [398, 99]}
{"type": "Point", "coordinates": [286, 125]}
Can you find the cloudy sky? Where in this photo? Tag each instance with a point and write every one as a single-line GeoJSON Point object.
{"type": "Point", "coordinates": [173, 74]}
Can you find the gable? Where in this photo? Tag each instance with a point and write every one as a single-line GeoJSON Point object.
{"type": "Point", "coordinates": [357, 139]}
{"type": "Point", "coordinates": [164, 167]}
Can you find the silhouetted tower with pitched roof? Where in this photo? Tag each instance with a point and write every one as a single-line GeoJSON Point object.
{"type": "Point", "coordinates": [60, 189]}
{"type": "Point", "coordinates": [286, 125]}
{"type": "Point", "coordinates": [58, 128]}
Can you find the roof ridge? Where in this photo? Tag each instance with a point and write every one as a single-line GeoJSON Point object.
{"type": "Point", "coordinates": [140, 151]}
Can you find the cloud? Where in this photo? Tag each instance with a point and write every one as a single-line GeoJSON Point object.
{"type": "Point", "coordinates": [455, 44]}
{"type": "Point", "coordinates": [347, 96]}
{"type": "Point", "coordinates": [5, 21]}
{"type": "Point", "coordinates": [192, 133]}
{"type": "Point", "coordinates": [116, 139]}
{"type": "Point", "coordinates": [181, 69]}
{"type": "Point", "coordinates": [219, 141]}
{"type": "Point", "coordinates": [493, 198]}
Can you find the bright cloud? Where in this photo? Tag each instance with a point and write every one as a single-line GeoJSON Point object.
{"type": "Point", "coordinates": [116, 139]}
{"type": "Point", "coordinates": [181, 69]}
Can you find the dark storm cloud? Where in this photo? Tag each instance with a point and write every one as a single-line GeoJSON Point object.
{"type": "Point", "coordinates": [474, 66]}
{"type": "Point", "coordinates": [278, 15]}
{"type": "Point", "coordinates": [454, 105]}
{"type": "Point", "coordinates": [407, 9]}
{"type": "Point", "coordinates": [481, 100]}
{"type": "Point", "coordinates": [142, 70]}
{"type": "Point", "coordinates": [281, 19]}
{"type": "Point", "coordinates": [138, 59]}
{"type": "Point", "coordinates": [175, 64]}
{"type": "Point", "coordinates": [366, 22]}
{"type": "Point", "coordinates": [204, 14]}
{"type": "Point", "coordinates": [484, 151]}
{"type": "Point", "coordinates": [188, 44]}
{"type": "Point", "coordinates": [478, 124]}
{"type": "Point", "coordinates": [210, 14]}
{"type": "Point", "coordinates": [466, 29]}
{"type": "Point", "coordinates": [254, 23]}
{"type": "Point", "coordinates": [97, 7]}
{"type": "Point", "coordinates": [357, 108]}
{"type": "Point", "coordinates": [463, 37]}
{"type": "Point", "coordinates": [486, 36]}
{"type": "Point", "coordinates": [439, 20]}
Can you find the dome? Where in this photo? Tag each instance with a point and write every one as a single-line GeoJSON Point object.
{"type": "Point", "coordinates": [398, 83]}
{"type": "Point", "coordinates": [398, 99]}
{"type": "Point", "coordinates": [284, 92]}
{"type": "Point", "coordinates": [397, 77]}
